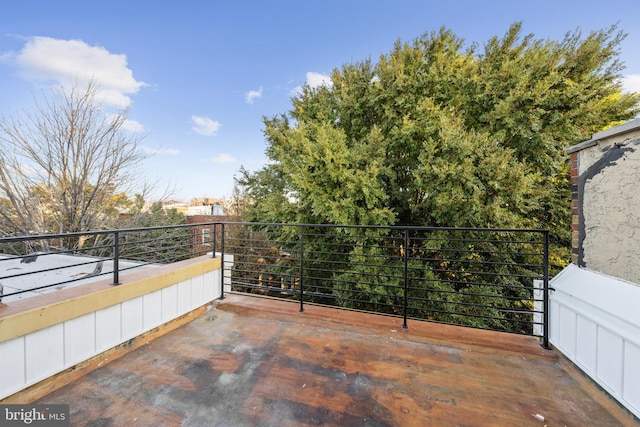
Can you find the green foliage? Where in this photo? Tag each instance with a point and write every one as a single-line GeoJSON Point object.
{"type": "Point", "coordinates": [442, 135]}
{"type": "Point", "coordinates": [157, 216]}
{"type": "Point", "coordinates": [161, 245]}
{"type": "Point", "coordinates": [438, 134]}
{"type": "Point", "coordinates": [370, 276]}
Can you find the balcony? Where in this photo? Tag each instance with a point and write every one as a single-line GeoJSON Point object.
{"type": "Point", "coordinates": [285, 346]}
{"type": "Point", "coordinates": [256, 361]}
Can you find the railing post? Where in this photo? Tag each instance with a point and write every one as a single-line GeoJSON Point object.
{"type": "Point", "coordinates": [545, 315]}
{"type": "Point", "coordinates": [301, 268]}
{"type": "Point", "coordinates": [116, 258]}
{"type": "Point", "coordinates": [213, 245]}
{"type": "Point", "coordinates": [406, 276]}
{"type": "Point", "coordinates": [222, 261]}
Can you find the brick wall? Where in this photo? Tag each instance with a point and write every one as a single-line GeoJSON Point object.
{"type": "Point", "coordinates": [575, 209]}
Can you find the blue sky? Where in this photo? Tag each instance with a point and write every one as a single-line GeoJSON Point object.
{"type": "Point", "coordinates": [197, 77]}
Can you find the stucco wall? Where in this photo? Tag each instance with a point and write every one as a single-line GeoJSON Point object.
{"type": "Point", "coordinates": [608, 169]}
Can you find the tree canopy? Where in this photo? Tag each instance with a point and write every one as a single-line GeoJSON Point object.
{"type": "Point", "coordinates": [438, 133]}
{"type": "Point", "coordinates": [66, 167]}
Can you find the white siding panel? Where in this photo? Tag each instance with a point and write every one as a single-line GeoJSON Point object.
{"type": "Point", "coordinates": [610, 360]}
{"type": "Point", "coordinates": [152, 310]}
{"type": "Point", "coordinates": [184, 297]}
{"type": "Point", "coordinates": [169, 303]}
{"type": "Point", "coordinates": [44, 353]}
{"type": "Point", "coordinates": [132, 322]}
{"type": "Point", "coordinates": [214, 278]}
{"type": "Point", "coordinates": [631, 390]}
{"type": "Point", "coordinates": [197, 292]}
{"type": "Point", "coordinates": [568, 330]}
{"type": "Point", "coordinates": [209, 288]}
{"type": "Point", "coordinates": [12, 366]}
{"type": "Point", "coordinates": [108, 327]}
{"type": "Point", "coordinates": [586, 344]}
{"type": "Point", "coordinates": [79, 339]}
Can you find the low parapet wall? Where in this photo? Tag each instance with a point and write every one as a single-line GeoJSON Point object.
{"type": "Point", "coordinates": [595, 323]}
{"type": "Point", "coordinates": [45, 335]}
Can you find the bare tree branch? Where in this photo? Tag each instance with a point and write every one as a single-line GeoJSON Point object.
{"type": "Point", "coordinates": [62, 165]}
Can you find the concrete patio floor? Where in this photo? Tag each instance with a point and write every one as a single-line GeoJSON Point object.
{"type": "Point", "coordinates": [253, 361]}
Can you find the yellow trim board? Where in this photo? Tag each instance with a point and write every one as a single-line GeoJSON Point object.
{"type": "Point", "coordinates": [100, 295]}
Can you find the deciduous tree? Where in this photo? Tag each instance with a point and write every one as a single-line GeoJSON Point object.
{"type": "Point", "coordinates": [66, 167]}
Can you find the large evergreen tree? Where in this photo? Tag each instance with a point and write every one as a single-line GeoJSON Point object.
{"type": "Point", "coordinates": [437, 133]}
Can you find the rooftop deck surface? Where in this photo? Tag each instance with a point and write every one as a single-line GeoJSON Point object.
{"type": "Point", "coordinates": [253, 361]}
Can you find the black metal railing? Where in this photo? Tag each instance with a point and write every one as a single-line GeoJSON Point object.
{"type": "Point", "coordinates": [32, 264]}
{"type": "Point", "coordinates": [483, 278]}
{"type": "Point", "coordinates": [495, 279]}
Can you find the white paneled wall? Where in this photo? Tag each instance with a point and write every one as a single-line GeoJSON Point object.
{"type": "Point", "coordinates": [108, 327]}
{"type": "Point", "coordinates": [31, 358]}
{"type": "Point", "coordinates": [151, 310]}
{"type": "Point", "coordinates": [12, 366]}
{"type": "Point", "coordinates": [79, 339]}
{"type": "Point", "coordinates": [132, 316]}
{"type": "Point", "coordinates": [595, 322]}
{"type": "Point", "coordinates": [44, 353]}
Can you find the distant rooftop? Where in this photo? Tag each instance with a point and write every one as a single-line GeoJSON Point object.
{"type": "Point", "coordinates": [42, 268]}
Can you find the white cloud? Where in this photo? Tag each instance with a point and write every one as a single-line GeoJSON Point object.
{"type": "Point", "coordinates": [314, 80]}
{"type": "Point", "coordinates": [631, 83]}
{"type": "Point", "coordinates": [133, 126]}
{"type": "Point", "coordinates": [154, 151]}
{"type": "Point", "coordinates": [253, 94]}
{"type": "Point", "coordinates": [71, 62]}
{"type": "Point", "coordinates": [223, 158]}
{"type": "Point", "coordinates": [128, 124]}
{"type": "Point", "coordinates": [205, 126]}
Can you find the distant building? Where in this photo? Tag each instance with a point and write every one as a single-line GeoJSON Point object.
{"type": "Point", "coordinates": [202, 235]}
{"type": "Point", "coordinates": [177, 205]}
{"type": "Point", "coordinates": [209, 210]}
{"type": "Point", "coordinates": [205, 210]}
{"type": "Point", "coordinates": [197, 206]}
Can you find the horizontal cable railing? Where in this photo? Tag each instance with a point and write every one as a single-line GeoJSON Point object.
{"type": "Point", "coordinates": [35, 264]}
{"type": "Point", "coordinates": [493, 279]}
{"type": "Point", "coordinates": [483, 278]}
